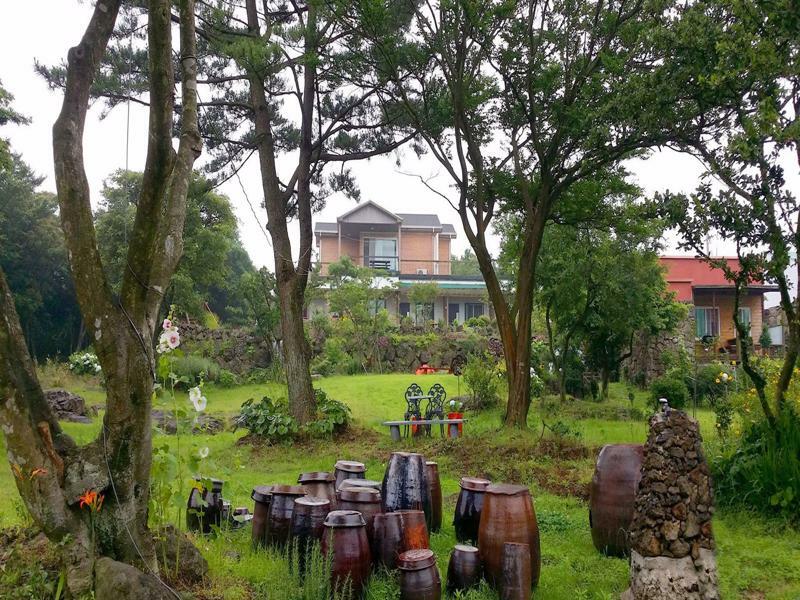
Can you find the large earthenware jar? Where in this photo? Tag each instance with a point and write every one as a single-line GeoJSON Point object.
{"type": "Point", "coordinates": [507, 516]}
{"type": "Point", "coordinates": [405, 484]}
{"type": "Point", "coordinates": [467, 517]}
{"type": "Point", "coordinates": [367, 501]}
{"type": "Point", "coordinates": [464, 570]}
{"type": "Point", "coordinates": [345, 544]}
{"type": "Point", "coordinates": [279, 522]}
{"type": "Point", "coordinates": [516, 572]}
{"type": "Point", "coordinates": [419, 577]}
{"type": "Point", "coordinates": [435, 495]}
{"type": "Point", "coordinates": [204, 508]}
{"type": "Point", "coordinates": [262, 496]}
{"type": "Point", "coordinates": [308, 518]}
{"type": "Point", "coordinates": [612, 495]}
{"type": "Point", "coordinates": [320, 484]}
{"type": "Point", "coordinates": [387, 542]}
{"type": "Point", "coordinates": [414, 530]}
{"type": "Point", "coordinates": [348, 469]}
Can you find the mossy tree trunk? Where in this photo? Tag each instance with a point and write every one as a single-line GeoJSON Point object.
{"type": "Point", "coordinates": [51, 471]}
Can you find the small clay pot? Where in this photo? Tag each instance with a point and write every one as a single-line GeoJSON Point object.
{"type": "Point", "coordinates": [348, 469]}
{"type": "Point", "coordinates": [279, 529]}
{"type": "Point", "coordinates": [367, 501]}
{"type": "Point", "coordinates": [204, 508]}
{"type": "Point", "coordinates": [262, 496]}
{"type": "Point", "coordinates": [467, 517]}
{"type": "Point", "coordinates": [405, 484]}
{"type": "Point", "coordinates": [320, 484]}
{"type": "Point", "coordinates": [308, 519]}
{"type": "Point", "coordinates": [414, 530]}
{"type": "Point", "coordinates": [419, 577]}
{"type": "Point", "coordinates": [516, 572]}
{"type": "Point", "coordinates": [464, 570]}
{"type": "Point", "coordinates": [387, 542]}
{"type": "Point", "coordinates": [345, 544]}
{"type": "Point", "coordinates": [435, 495]}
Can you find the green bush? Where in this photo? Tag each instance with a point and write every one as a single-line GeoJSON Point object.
{"type": "Point", "coordinates": [332, 416]}
{"type": "Point", "coordinates": [762, 470]}
{"type": "Point", "coordinates": [268, 419]}
{"type": "Point", "coordinates": [672, 388]}
{"type": "Point", "coordinates": [480, 377]}
{"type": "Point", "coordinates": [709, 385]}
{"type": "Point", "coordinates": [84, 363]}
{"type": "Point", "coordinates": [191, 369]}
{"type": "Point", "coordinates": [227, 378]}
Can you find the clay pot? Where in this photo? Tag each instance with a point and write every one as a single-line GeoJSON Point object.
{"type": "Point", "coordinates": [419, 577]}
{"type": "Point", "coordinates": [348, 469]}
{"type": "Point", "coordinates": [262, 495]}
{"type": "Point", "coordinates": [414, 530]}
{"type": "Point", "coordinates": [320, 484]}
{"type": "Point", "coordinates": [279, 527]}
{"type": "Point", "coordinates": [435, 495]}
{"type": "Point", "coordinates": [367, 501]}
{"type": "Point", "coordinates": [467, 517]}
{"type": "Point", "coordinates": [361, 483]}
{"type": "Point", "coordinates": [387, 542]}
{"type": "Point", "coordinates": [516, 572]}
{"type": "Point", "coordinates": [345, 544]}
{"type": "Point", "coordinates": [612, 495]}
{"type": "Point", "coordinates": [308, 518]}
{"type": "Point", "coordinates": [204, 508]}
{"type": "Point", "coordinates": [405, 484]}
{"type": "Point", "coordinates": [464, 570]}
{"type": "Point", "coordinates": [507, 516]}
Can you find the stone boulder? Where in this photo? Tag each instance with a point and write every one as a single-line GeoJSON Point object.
{"type": "Point", "coordinates": [172, 546]}
{"type": "Point", "coordinates": [68, 406]}
{"type": "Point", "coordinates": [115, 580]}
{"type": "Point", "coordinates": [200, 424]}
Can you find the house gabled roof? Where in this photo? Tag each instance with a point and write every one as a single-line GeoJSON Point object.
{"type": "Point", "coordinates": [364, 207]}
{"type": "Point", "coordinates": [419, 221]}
{"type": "Point", "coordinates": [684, 274]}
{"type": "Point", "coordinates": [330, 228]}
{"type": "Point", "coordinates": [372, 212]}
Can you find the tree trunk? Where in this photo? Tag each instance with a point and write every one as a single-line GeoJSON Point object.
{"type": "Point", "coordinates": [605, 376]}
{"type": "Point", "coordinates": [296, 354]}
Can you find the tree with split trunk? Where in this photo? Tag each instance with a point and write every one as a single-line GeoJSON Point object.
{"type": "Point", "coordinates": [53, 473]}
{"type": "Point", "coordinates": [752, 136]}
{"type": "Point", "coordinates": [519, 101]}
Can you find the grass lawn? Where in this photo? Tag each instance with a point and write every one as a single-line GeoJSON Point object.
{"type": "Point", "coordinates": [757, 558]}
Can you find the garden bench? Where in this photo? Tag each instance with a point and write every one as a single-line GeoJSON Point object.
{"type": "Point", "coordinates": [452, 426]}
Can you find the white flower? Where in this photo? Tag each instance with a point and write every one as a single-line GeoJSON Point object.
{"type": "Point", "coordinates": [195, 394]}
{"type": "Point", "coordinates": [725, 377]}
{"type": "Point", "coordinates": [167, 325]}
{"type": "Point", "coordinates": [199, 403]}
{"type": "Point", "coordinates": [203, 452]}
{"type": "Point", "coordinates": [173, 339]}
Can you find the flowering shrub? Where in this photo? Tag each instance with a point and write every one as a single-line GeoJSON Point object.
{"type": "Point", "coordinates": [84, 363]}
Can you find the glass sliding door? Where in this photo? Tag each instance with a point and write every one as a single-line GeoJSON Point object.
{"type": "Point", "coordinates": [381, 253]}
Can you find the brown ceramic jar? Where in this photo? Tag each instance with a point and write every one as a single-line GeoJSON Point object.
{"type": "Point", "coordinates": [467, 517]}
{"type": "Point", "coordinates": [419, 577]}
{"type": "Point", "coordinates": [308, 518]}
{"type": "Point", "coordinates": [387, 542]}
{"type": "Point", "coordinates": [516, 572]}
{"type": "Point", "coordinates": [367, 501]}
{"type": "Point", "coordinates": [348, 469]}
{"type": "Point", "coordinates": [435, 495]}
{"type": "Point", "coordinates": [279, 528]}
{"type": "Point", "coordinates": [405, 484]}
{"type": "Point", "coordinates": [507, 516]}
{"type": "Point", "coordinates": [204, 508]}
{"type": "Point", "coordinates": [320, 484]}
{"type": "Point", "coordinates": [612, 496]}
{"type": "Point", "coordinates": [262, 496]}
{"type": "Point", "coordinates": [464, 570]}
{"type": "Point", "coordinates": [414, 530]}
{"type": "Point", "coordinates": [345, 544]}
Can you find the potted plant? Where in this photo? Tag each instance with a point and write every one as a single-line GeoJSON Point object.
{"type": "Point", "coordinates": [455, 413]}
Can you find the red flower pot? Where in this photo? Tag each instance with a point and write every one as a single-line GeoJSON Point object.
{"type": "Point", "coordinates": [457, 415]}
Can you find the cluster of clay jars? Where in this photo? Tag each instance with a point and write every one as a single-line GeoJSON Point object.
{"type": "Point", "coordinates": [612, 496]}
{"type": "Point", "coordinates": [205, 508]}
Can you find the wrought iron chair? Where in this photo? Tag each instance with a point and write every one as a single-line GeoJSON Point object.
{"type": "Point", "coordinates": [435, 406]}
{"type": "Point", "coordinates": [412, 396]}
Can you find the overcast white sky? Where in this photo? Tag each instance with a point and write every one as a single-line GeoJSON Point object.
{"type": "Point", "coordinates": [60, 24]}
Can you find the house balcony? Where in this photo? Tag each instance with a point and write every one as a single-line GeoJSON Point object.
{"type": "Point", "coordinates": [394, 265]}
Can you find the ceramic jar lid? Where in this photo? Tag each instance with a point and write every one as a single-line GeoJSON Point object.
{"type": "Point", "coordinates": [288, 490]}
{"type": "Point", "coordinates": [415, 560]}
{"type": "Point", "coordinates": [474, 484]}
{"type": "Point", "coordinates": [262, 493]}
{"type": "Point", "coordinates": [361, 483]}
{"type": "Point", "coordinates": [216, 484]}
{"type": "Point", "coordinates": [312, 501]}
{"type": "Point", "coordinates": [316, 477]}
{"type": "Point", "coordinates": [507, 489]}
{"type": "Point", "coordinates": [350, 466]}
{"type": "Point", "coordinates": [348, 494]}
{"type": "Point", "coordinates": [465, 548]}
{"type": "Point", "coordinates": [344, 518]}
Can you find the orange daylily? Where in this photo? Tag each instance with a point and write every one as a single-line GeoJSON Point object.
{"type": "Point", "coordinates": [38, 472]}
{"type": "Point", "coordinates": [92, 500]}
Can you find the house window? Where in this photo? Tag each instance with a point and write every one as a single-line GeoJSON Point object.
{"type": "Point", "coordinates": [423, 311]}
{"type": "Point", "coordinates": [473, 309]}
{"type": "Point", "coordinates": [452, 312]}
{"type": "Point", "coordinates": [405, 309]}
{"type": "Point", "coordinates": [707, 321]}
{"type": "Point", "coordinates": [745, 316]}
{"type": "Point", "coordinates": [380, 253]}
{"type": "Point", "coordinates": [377, 305]}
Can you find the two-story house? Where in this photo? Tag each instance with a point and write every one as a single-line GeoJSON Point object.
{"type": "Point", "coordinates": [406, 249]}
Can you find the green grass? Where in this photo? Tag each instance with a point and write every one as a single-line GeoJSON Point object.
{"type": "Point", "coordinates": [755, 556]}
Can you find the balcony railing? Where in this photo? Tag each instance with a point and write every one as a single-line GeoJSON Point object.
{"type": "Point", "coordinates": [382, 263]}
{"type": "Point", "coordinates": [396, 265]}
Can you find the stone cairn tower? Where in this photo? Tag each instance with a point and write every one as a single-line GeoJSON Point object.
{"type": "Point", "coordinates": [672, 545]}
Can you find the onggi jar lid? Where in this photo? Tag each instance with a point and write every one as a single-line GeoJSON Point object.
{"type": "Point", "coordinates": [288, 490]}
{"type": "Point", "coordinates": [414, 560]}
{"type": "Point", "coordinates": [350, 466]}
{"type": "Point", "coordinates": [361, 483]}
{"type": "Point", "coordinates": [344, 518]}
{"type": "Point", "coordinates": [474, 484]}
{"type": "Point", "coordinates": [465, 548]}
{"type": "Point", "coordinates": [507, 489]}
{"type": "Point", "coordinates": [312, 501]}
{"type": "Point", "coordinates": [348, 494]}
{"type": "Point", "coordinates": [262, 493]}
{"type": "Point", "coordinates": [316, 477]}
